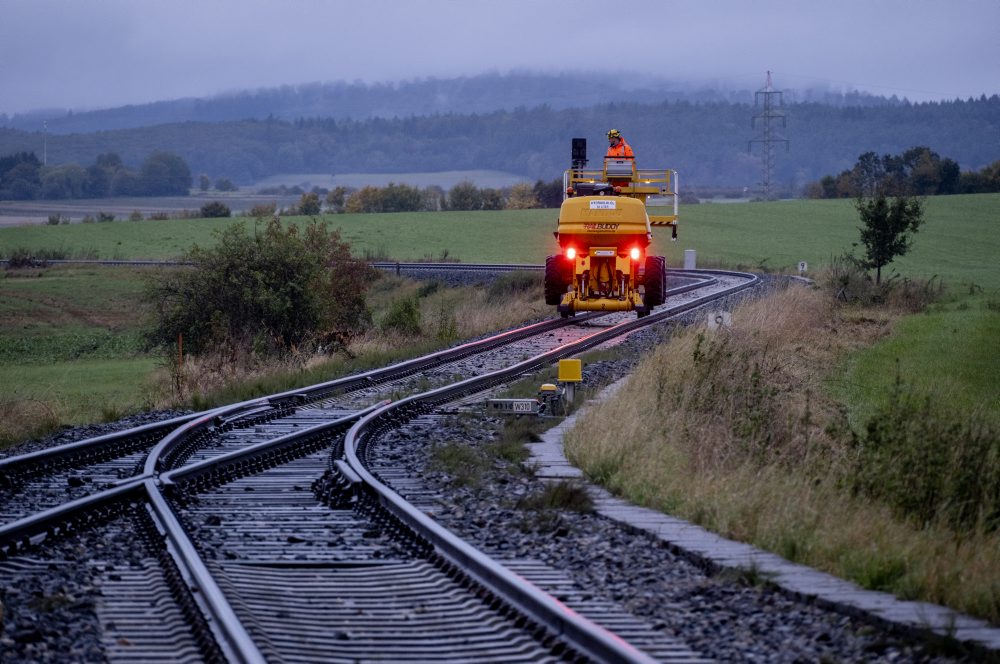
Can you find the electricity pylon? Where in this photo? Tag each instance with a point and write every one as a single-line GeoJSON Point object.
{"type": "Point", "coordinates": [770, 99]}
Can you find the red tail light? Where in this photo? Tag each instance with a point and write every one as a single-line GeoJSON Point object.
{"type": "Point", "coordinates": [570, 253]}
{"type": "Point", "coordinates": [636, 253]}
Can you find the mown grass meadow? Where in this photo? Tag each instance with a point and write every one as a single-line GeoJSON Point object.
{"type": "Point", "coordinates": [959, 241]}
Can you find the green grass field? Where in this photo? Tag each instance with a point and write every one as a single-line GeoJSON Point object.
{"type": "Point", "coordinates": [84, 391]}
{"type": "Point", "coordinates": [947, 354]}
{"type": "Point", "coordinates": [959, 241]}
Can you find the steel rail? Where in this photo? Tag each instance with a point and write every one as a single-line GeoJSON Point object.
{"type": "Point", "coordinates": [32, 529]}
{"type": "Point", "coordinates": [218, 614]}
{"type": "Point", "coordinates": [260, 451]}
{"type": "Point", "coordinates": [37, 524]}
{"type": "Point", "coordinates": [155, 461]}
{"type": "Point", "coordinates": [72, 453]}
{"type": "Point", "coordinates": [22, 530]}
{"type": "Point", "coordinates": [230, 634]}
{"type": "Point", "coordinates": [590, 638]}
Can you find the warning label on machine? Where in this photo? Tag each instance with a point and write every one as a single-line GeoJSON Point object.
{"type": "Point", "coordinates": [604, 205]}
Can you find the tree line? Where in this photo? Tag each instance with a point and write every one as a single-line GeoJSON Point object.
{"type": "Point", "coordinates": [705, 142]}
{"type": "Point", "coordinates": [393, 197]}
{"type": "Point", "coordinates": [918, 171]}
{"type": "Point", "coordinates": [463, 196]}
{"type": "Point", "coordinates": [24, 177]}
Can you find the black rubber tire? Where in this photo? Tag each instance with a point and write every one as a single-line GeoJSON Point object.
{"type": "Point", "coordinates": [655, 281]}
{"type": "Point", "coordinates": [557, 278]}
{"type": "Point", "coordinates": [663, 271]}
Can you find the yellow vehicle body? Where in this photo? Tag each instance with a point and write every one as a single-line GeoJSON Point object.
{"type": "Point", "coordinates": [604, 232]}
{"type": "Point", "coordinates": [602, 259]}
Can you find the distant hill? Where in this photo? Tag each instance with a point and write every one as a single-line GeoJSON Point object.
{"type": "Point", "coordinates": [359, 101]}
{"type": "Point", "coordinates": [706, 142]}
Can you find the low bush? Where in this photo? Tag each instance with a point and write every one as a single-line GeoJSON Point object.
{"type": "Point", "coordinates": [215, 209]}
{"type": "Point", "coordinates": [278, 291]}
{"type": "Point", "coordinates": [263, 210]}
{"type": "Point", "coordinates": [20, 257]}
{"type": "Point", "coordinates": [851, 283]}
{"type": "Point", "coordinates": [929, 465]}
{"type": "Point", "coordinates": [403, 317]}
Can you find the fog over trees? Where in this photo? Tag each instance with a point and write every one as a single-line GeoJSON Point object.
{"type": "Point", "coordinates": [478, 123]}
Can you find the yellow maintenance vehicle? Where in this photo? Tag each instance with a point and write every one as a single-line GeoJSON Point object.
{"type": "Point", "coordinates": [603, 234]}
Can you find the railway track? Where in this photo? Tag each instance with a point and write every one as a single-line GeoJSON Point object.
{"type": "Point", "coordinates": [267, 537]}
{"type": "Point", "coordinates": [299, 528]}
{"type": "Point", "coordinates": [288, 529]}
{"type": "Point", "coordinates": [53, 476]}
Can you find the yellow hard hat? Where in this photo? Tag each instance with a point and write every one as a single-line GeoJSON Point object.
{"type": "Point", "coordinates": [614, 133]}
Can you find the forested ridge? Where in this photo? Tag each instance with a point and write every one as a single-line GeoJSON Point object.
{"type": "Point", "coordinates": [705, 141]}
{"type": "Point", "coordinates": [341, 100]}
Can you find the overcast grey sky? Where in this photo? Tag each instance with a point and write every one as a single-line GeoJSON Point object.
{"type": "Point", "coordinates": [101, 53]}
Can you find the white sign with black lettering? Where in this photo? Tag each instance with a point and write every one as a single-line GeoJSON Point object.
{"type": "Point", "coordinates": [514, 406]}
{"type": "Point", "coordinates": [717, 319]}
{"type": "Point", "coordinates": [601, 204]}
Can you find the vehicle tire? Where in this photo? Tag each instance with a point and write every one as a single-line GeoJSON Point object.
{"type": "Point", "coordinates": [655, 281]}
{"type": "Point", "coordinates": [663, 281]}
{"type": "Point", "coordinates": [557, 278]}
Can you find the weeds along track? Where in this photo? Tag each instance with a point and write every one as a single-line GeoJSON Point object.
{"type": "Point", "coordinates": [270, 530]}
{"type": "Point", "coordinates": [51, 477]}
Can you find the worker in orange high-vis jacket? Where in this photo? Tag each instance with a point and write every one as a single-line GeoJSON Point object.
{"type": "Point", "coordinates": [617, 147]}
